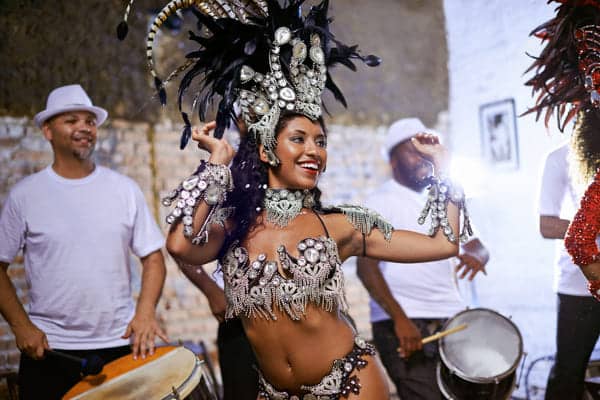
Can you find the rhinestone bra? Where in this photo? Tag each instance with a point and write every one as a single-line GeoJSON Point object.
{"type": "Point", "coordinates": [255, 288]}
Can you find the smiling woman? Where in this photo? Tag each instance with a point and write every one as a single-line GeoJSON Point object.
{"type": "Point", "coordinates": [301, 144]}
{"type": "Point", "coordinates": [258, 210]}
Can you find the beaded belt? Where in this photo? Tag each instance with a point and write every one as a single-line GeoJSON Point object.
{"type": "Point", "coordinates": [337, 384]}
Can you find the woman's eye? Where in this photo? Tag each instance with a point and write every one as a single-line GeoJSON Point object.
{"type": "Point", "coordinates": [322, 143]}
{"type": "Point", "coordinates": [297, 139]}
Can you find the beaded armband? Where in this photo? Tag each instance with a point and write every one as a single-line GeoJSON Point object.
{"type": "Point", "coordinates": [441, 192]}
{"type": "Point", "coordinates": [364, 220]}
{"type": "Point", "coordinates": [211, 183]}
{"type": "Point", "coordinates": [580, 240]}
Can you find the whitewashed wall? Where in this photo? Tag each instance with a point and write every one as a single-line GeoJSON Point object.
{"type": "Point", "coordinates": [488, 42]}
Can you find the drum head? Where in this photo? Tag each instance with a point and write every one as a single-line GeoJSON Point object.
{"type": "Point", "coordinates": [488, 350]}
{"type": "Point", "coordinates": [177, 369]}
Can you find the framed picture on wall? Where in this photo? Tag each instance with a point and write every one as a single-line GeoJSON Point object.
{"type": "Point", "coordinates": [499, 142]}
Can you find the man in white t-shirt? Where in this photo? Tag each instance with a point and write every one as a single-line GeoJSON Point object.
{"type": "Point", "coordinates": [578, 314]}
{"type": "Point", "coordinates": [76, 224]}
{"type": "Point", "coordinates": [411, 301]}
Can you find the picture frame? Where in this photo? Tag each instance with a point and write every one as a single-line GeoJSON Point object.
{"type": "Point", "coordinates": [499, 140]}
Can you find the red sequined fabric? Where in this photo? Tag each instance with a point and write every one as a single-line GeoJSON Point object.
{"type": "Point", "coordinates": [579, 3]}
{"type": "Point", "coordinates": [581, 236]}
{"type": "Point", "coordinates": [594, 288]}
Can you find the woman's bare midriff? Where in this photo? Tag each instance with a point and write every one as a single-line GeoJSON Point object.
{"type": "Point", "coordinates": [294, 353]}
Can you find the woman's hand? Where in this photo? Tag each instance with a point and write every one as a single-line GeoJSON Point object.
{"type": "Point", "coordinates": [221, 152]}
{"type": "Point", "coordinates": [431, 149]}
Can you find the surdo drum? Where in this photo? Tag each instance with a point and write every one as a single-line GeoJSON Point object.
{"type": "Point", "coordinates": [172, 373]}
{"type": "Point", "coordinates": [480, 361]}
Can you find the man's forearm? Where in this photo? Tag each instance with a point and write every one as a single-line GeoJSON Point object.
{"type": "Point", "coordinates": [153, 278]}
{"type": "Point", "coordinates": [10, 307]}
{"type": "Point", "coordinates": [198, 276]}
{"type": "Point", "coordinates": [370, 275]}
{"type": "Point", "coordinates": [553, 227]}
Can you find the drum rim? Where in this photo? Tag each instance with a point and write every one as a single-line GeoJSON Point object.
{"type": "Point", "coordinates": [181, 389]}
{"type": "Point", "coordinates": [494, 378]}
{"type": "Point", "coordinates": [447, 392]}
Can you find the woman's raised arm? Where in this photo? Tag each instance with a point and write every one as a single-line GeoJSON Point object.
{"type": "Point", "coordinates": [198, 221]}
{"type": "Point", "coordinates": [444, 204]}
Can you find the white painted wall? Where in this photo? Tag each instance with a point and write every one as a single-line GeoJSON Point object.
{"type": "Point", "coordinates": [487, 42]}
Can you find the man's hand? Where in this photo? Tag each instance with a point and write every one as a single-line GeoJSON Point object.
{"type": "Point", "coordinates": [31, 341]}
{"type": "Point", "coordinates": [473, 258]}
{"type": "Point", "coordinates": [469, 265]}
{"type": "Point", "coordinates": [408, 336]}
{"type": "Point", "coordinates": [144, 329]}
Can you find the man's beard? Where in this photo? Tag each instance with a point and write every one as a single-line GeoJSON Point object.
{"type": "Point", "coordinates": [419, 184]}
{"type": "Point", "coordinates": [418, 177]}
{"type": "Point", "coordinates": [84, 154]}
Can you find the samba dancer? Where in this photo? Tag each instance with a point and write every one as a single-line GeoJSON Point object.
{"type": "Point", "coordinates": [261, 217]}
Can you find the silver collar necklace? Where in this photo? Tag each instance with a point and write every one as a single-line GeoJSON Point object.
{"type": "Point", "coordinates": [283, 205]}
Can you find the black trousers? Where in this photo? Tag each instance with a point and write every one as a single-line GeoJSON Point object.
{"type": "Point", "coordinates": [52, 377]}
{"type": "Point", "coordinates": [578, 327]}
{"type": "Point", "coordinates": [237, 362]}
{"type": "Point", "coordinates": [414, 378]}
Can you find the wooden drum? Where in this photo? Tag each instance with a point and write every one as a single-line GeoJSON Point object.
{"type": "Point", "coordinates": [171, 373]}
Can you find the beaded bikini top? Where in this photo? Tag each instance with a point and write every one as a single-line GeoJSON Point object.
{"type": "Point", "coordinates": [254, 288]}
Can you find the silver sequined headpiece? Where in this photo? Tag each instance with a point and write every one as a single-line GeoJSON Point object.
{"type": "Point", "coordinates": [269, 94]}
{"type": "Point", "coordinates": [265, 56]}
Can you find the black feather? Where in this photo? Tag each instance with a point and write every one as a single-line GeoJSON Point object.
{"type": "Point", "coordinates": [162, 94]}
{"type": "Point", "coordinates": [186, 134]}
{"type": "Point", "coordinates": [224, 45]}
{"type": "Point", "coordinates": [122, 30]}
{"type": "Point", "coordinates": [337, 93]}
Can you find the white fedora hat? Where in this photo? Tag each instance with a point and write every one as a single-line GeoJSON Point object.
{"type": "Point", "coordinates": [400, 131]}
{"type": "Point", "coordinates": [69, 98]}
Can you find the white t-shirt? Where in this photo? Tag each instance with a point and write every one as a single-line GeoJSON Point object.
{"type": "Point", "coordinates": [76, 235]}
{"type": "Point", "coordinates": [559, 198]}
{"type": "Point", "coordinates": [424, 290]}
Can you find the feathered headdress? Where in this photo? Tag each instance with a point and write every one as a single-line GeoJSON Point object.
{"type": "Point", "coordinates": [260, 55]}
{"type": "Point", "coordinates": [567, 71]}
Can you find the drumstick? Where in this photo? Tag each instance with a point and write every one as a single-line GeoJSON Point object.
{"type": "Point", "coordinates": [443, 333]}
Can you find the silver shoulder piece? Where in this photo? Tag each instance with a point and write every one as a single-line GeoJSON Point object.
{"type": "Point", "coordinates": [364, 220]}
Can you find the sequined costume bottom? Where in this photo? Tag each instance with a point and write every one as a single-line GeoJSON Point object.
{"type": "Point", "coordinates": [337, 384]}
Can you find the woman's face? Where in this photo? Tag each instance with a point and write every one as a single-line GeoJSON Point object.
{"type": "Point", "coordinates": [302, 152]}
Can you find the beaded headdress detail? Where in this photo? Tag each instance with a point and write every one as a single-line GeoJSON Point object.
{"type": "Point", "coordinates": [588, 48]}
{"type": "Point", "coordinates": [258, 55]}
{"type": "Point", "coordinates": [567, 71]}
{"type": "Point", "coordinates": [272, 93]}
